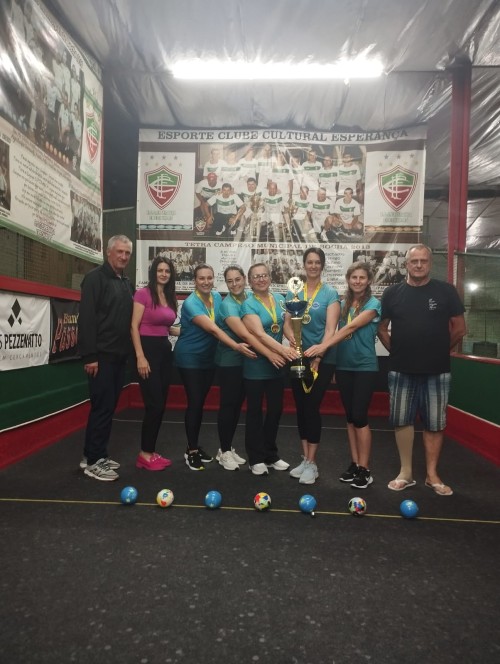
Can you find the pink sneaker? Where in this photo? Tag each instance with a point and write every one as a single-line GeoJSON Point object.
{"type": "Point", "coordinates": [156, 462]}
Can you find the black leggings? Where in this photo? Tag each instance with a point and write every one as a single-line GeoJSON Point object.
{"type": "Point", "coordinates": [232, 395]}
{"type": "Point", "coordinates": [197, 383]}
{"type": "Point", "coordinates": [356, 389]}
{"type": "Point", "coordinates": [154, 388]}
{"type": "Point", "coordinates": [261, 430]}
{"type": "Point", "coordinates": [308, 405]}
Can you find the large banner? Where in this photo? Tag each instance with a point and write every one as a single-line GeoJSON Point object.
{"type": "Point", "coordinates": [247, 196]}
{"type": "Point", "coordinates": [50, 133]}
{"type": "Point", "coordinates": [64, 330]}
{"type": "Point", "coordinates": [24, 331]}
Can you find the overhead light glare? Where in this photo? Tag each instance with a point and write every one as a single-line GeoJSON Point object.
{"type": "Point", "coordinates": [225, 70]}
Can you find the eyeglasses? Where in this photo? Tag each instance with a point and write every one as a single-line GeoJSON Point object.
{"type": "Point", "coordinates": [259, 277]}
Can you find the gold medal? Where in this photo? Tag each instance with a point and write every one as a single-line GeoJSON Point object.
{"type": "Point", "coordinates": [275, 328]}
{"type": "Point", "coordinates": [306, 319]}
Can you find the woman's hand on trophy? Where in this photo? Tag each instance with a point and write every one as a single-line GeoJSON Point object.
{"type": "Point", "coordinates": [290, 354]}
{"type": "Point", "coordinates": [316, 351]}
{"type": "Point", "coordinates": [276, 359]}
{"type": "Point", "coordinates": [290, 338]}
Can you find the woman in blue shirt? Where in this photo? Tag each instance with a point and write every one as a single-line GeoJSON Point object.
{"type": "Point", "coordinates": [357, 367]}
{"type": "Point", "coordinates": [230, 365]}
{"type": "Point", "coordinates": [194, 355]}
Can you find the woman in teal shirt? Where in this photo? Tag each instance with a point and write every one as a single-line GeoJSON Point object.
{"type": "Point", "coordinates": [262, 314]}
{"type": "Point", "coordinates": [357, 367]}
{"type": "Point", "coordinates": [230, 365]}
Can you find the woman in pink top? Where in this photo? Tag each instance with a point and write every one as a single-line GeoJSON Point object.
{"type": "Point", "coordinates": [155, 310]}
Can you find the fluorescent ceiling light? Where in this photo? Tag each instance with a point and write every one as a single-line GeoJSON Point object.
{"type": "Point", "coordinates": [199, 69]}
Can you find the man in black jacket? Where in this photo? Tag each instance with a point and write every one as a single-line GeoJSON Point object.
{"type": "Point", "coordinates": [104, 344]}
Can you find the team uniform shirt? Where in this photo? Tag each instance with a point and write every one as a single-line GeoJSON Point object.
{"type": "Point", "coordinates": [358, 352]}
{"type": "Point", "coordinates": [205, 190]}
{"type": "Point", "coordinates": [265, 166]}
{"type": "Point", "coordinates": [273, 206]}
{"type": "Point", "coordinates": [348, 177]}
{"type": "Point", "coordinates": [248, 169]}
{"type": "Point", "coordinates": [195, 348]}
{"type": "Point", "coordinates": [328, 178]}
{"type": "Point", "coordinates": [320, 210]}
{"type": "Point", "coordinates": [298, 176]}
{"type": "Point", "coordinates": [282, 176]}
{"type": "Point", "coordinates": [227, 205]}
{"type": "Point", "coordinates": [347, 211]}
{"type": "Point", "coordinates": [261, 368]}
{"type": "Point", "coordinates": [225, 356]}
{"type": "Point", "coordinates": [303, 206]}
{"type": "Point", "coordinates": [310, 172]}
{"type": "Point", "coordinates": [212, 167]}
{"type": "Point", "coordinates": [230, 174]}
{"type": "Point", "coordinates": [420, 315]}
{"type": "Point", "coordinates": [156, 321]}
{"type": "Point", "coordinates": [314, 331]}
{"type": "Point", "coordinates": [250, 198]}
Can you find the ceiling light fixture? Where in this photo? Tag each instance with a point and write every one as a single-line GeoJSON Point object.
{"type": "Point", "coordinates": [201, 69]}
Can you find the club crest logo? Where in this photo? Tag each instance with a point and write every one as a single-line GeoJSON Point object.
{"type": "Point", "coordinates": [92, 134]}
{"type": "Point", "coordinates": [397, 186]}
{"type": "Point", "coordinates": [162, 185]}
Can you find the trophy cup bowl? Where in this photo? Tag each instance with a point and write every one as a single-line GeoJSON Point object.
{"type": "Point", "coordinates": [296, 309]}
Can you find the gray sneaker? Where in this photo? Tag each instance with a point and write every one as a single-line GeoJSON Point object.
{"type": "Point", "coordinates": [310, 473]}
{"type": "Point", "coordinates": [114, 465]}
{"type": "Point", "coordinates": [100, 470]}
{"type": "Point", "coordinates": [298, 470]}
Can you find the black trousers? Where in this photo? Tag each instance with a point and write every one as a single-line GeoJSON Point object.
{"type": "Point", "coordinates": [154, 388]}
{"type": "Point", "coordinates": [261, 429]}
{"type": "Point", "coordinates": [197, 383]}
{"type": "Point", "coordinates": [232, 395]}
{"type": "Point", "coordinates": [308, 406]}
{"type": "Point", "coordinates": [356, 389]}
{"type": "Point", "coordinates": [104, 392]}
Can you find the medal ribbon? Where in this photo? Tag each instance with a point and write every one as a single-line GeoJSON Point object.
{"type": "Point", "coordinates": [210, 309]}
{"type": "Point", "coordinates": [271, 311]}
{"type": "Point", "coordinates": [310, 303]}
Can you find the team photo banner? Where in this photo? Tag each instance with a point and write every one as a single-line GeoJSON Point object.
{"type": "Point", "coordinates": [228, 196]}
{"type": "Point", "coordinates": [51, 100]}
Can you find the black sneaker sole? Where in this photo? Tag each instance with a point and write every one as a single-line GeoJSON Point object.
{"type": "Point", "coordinates": [341, 479]}
{"type": "Point", "coordinates": [362, 486]}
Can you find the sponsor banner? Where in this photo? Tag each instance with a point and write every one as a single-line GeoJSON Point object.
{"type": "Point", "coordinates": [64, 330]}
{"type": "Point", "coordinates": [50, 133]}
{"type": "Point", "coordinates": [24, 331]}
{"type": "Point", "coordinates": [242, 196]}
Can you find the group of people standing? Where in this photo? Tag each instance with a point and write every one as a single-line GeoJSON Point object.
{"type": "Point", "coordinates": [240, 338]}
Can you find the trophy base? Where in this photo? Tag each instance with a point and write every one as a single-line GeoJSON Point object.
{"type": "Point", "coordinates": [298, 370]}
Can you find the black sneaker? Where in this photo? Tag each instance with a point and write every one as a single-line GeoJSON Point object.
{"type": "Point", "coordinates": [193, 461]}
{"type": "Point", "coordinates": [362, 479]}
{"type": "Point", "coordinates": [350, 473]}
{"type": "Point", "coordinates": [205, 457]}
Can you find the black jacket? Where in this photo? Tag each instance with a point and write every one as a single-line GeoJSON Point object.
{"type": "Point", "coordinates": [105, 315]}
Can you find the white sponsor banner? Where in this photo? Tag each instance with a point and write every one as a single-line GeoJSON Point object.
{"type": "Point", "coordinates": [394, 191]}
{"type": "Point", "coordinates": [24, 331]}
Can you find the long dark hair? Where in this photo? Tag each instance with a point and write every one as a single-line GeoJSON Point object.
{"type": "Point", "coordinates": [168, 289]}
{"type": "Point", "coordinates": [349, 295]}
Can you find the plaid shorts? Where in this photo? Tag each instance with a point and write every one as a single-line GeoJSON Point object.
{"type": "Point", "coordinates": [422, 394]}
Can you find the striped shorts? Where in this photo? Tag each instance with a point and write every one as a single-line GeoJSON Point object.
{"type": "Point", "coordinates": [422, 394]}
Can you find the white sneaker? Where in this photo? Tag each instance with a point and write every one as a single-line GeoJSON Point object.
{"type": "Point", "coordinates": [101, 471]}
{"type": "Point", "coordinates": [259, 469]}
{"type": "Point", "coordinates": [239, 460]}
{"type": "Point", "coordinates": [310, 473]}
{"type": "Point", "coordinates": [114, 465]}
{"type": "Point", "coordinates": [227, 461]}
{"type": "Point", "coordinates": [298, 470]}
{"type": "Point", "coordinates": [279, 465]}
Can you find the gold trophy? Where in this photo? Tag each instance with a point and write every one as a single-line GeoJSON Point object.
{"type": "Point", "coordinates": [296, 309]}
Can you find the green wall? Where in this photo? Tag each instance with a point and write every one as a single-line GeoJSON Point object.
{"type": "Point", "coordinates": [475, 388]}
